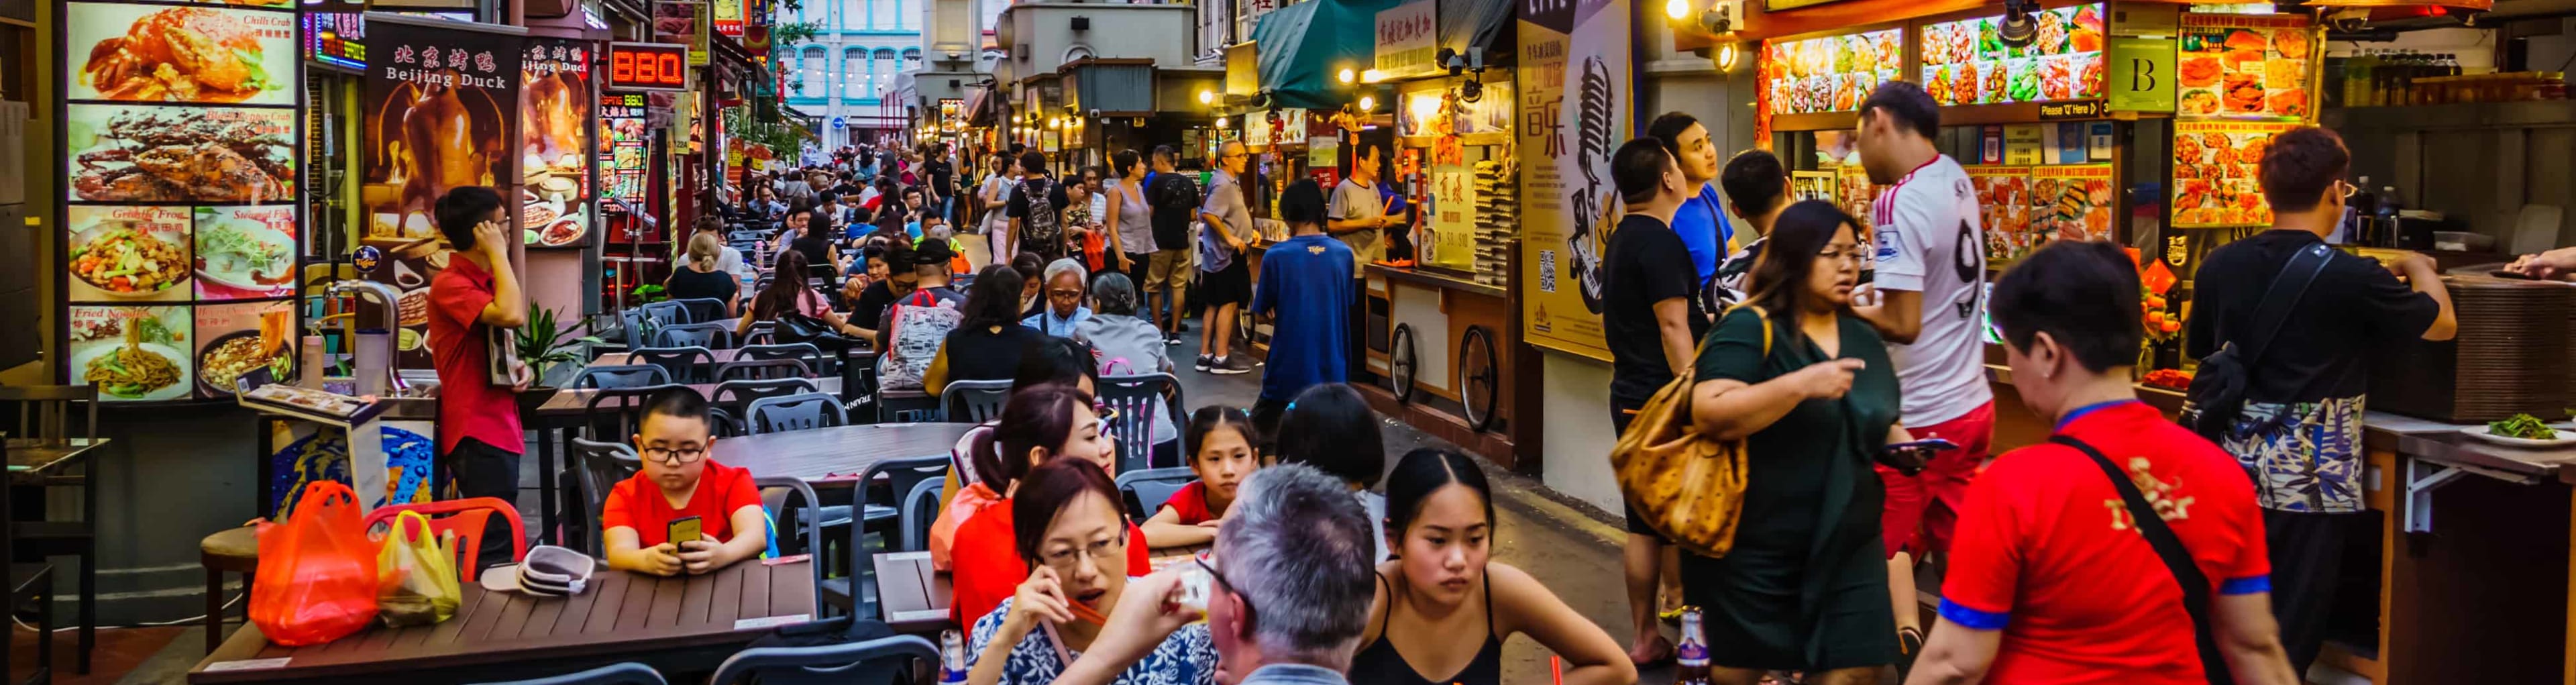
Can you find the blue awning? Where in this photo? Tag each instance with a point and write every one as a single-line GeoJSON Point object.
{"type": "Point", "coordinates": [1302, 46]}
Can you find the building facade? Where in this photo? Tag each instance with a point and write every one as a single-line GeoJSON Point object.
{"type": "Point", "coordinates": [846, 74]}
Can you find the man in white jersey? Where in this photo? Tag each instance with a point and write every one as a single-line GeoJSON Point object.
{"type": "Point", "coordinates": [1928, 303]}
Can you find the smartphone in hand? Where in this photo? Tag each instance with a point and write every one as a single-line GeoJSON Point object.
{"type": "Point", "coordinates": [1910, 458]}
{"type": "Point", "coordinates": [686, 529]}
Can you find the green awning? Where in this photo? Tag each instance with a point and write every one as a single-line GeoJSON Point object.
{"type": "Point", "coordinates": [1302, 46]}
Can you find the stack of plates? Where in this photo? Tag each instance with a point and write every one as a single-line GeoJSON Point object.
{"type": "Point", "coordinates": [2510, 357]}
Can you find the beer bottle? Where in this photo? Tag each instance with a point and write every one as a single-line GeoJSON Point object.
{"type": "Point", "coordinates": [952, 657]}
{"type": "Point", "coordinates": [1692, 653]}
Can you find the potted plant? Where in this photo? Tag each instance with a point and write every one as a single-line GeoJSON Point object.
{"type": "Point", "coordinates": [544, 345]}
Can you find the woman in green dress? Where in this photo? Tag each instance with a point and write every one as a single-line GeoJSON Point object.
{"type": "Point", "coordinates": [1815, 398]}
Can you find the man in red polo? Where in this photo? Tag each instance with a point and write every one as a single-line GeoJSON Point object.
{"type": "Point", "coordinates": [476, 298]}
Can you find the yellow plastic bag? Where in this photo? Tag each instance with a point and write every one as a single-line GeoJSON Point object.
{"type": "Point", "coordinates": [416, 574]}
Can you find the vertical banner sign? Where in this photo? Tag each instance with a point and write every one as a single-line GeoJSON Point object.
{"type": "Point", "coordinates": [1408, 40]}
{"type": "Point", "coordinates": [2142, 75]}
{"type": "Point", "coordinates": [621, 147]}
{"type": "Point", "coordinates": [729, 17]}
{"type": "Point", "coordinates": [439, 103]}
{"type": "Point", "coordinates": [1453, 219]}
{"type": "Point", "coordinates": [181, 224]}
{"type": "Point", "coordinates": [554, 143]}
{"type": "Point", "coordinates": [1574, 109]}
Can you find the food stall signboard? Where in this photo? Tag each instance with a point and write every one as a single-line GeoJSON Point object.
{"type": "Point", "coordinates": [1453, 219]}
{"type": "Point", "coordinates": [2214, 183]}
{"type": "Point", "coordinates": [1576, 98]}
{"type": "Point", "coordinates": [648, 66]}
{"type": "Point", "coordinates": [336, 38]}
{"type": "Point", "coordinates": [1408, 40]}
{"type": "Point", "coordinates": [1965, 62]}
{"type": "Point", "coordinates": [181, 223]}
{"type": "Point", "coordinates": [1832, 73]}
{"type": "Point", "coordinates": [555, 150]}
{"type": "Point", "coordinates": [621, 132]}
{"type": "Point", "coordinates": [441, 95]}
{"type": "Point", "coordinates": [2142, 74]}
{"type": "Point", "coordinates": [2003, 200]}
{"type": "Point", "coordinates": [728, 15]}
{"type": "Point", "coordinates": [2248, 66]}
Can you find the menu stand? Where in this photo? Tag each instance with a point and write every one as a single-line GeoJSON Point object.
{"type": "Point", "coordinates": [353, 419]}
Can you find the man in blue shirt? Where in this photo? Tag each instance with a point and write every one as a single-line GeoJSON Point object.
{"type": "Point", "coordinates": [1306, 289]}
{"type": "Point", "coordinates": [1701, 221]}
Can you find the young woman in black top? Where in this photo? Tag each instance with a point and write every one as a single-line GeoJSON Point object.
{"type": "Point", "coordinates": [788, 294]}
{"type": "Point", "coordinates": [989, 339]}
{"type": "Point", "coordinates": [697, 278]}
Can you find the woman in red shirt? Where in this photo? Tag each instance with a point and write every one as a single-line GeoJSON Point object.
{"type": "Point", "coordinates": [1039, 424]}
{"type": "Point", "coordinates": [2050, 579]}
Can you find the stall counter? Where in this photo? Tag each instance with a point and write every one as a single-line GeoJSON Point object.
{"type": "Point", "coordinates": [1441, 316]}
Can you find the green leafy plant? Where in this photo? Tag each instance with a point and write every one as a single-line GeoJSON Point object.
{"type": "Point", "coordinates": [543, 343]}
{"type": "Point", "coordinates": [650, 292]}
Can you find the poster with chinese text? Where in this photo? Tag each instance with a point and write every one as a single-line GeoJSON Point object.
{"type": "Point", "coordinates": [1575, 101]}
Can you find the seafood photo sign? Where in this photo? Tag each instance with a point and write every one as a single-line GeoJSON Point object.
{"type": "Point", "coordinates": [181, 220]}
{"type": "Point", "coordinates": [1575, 105]}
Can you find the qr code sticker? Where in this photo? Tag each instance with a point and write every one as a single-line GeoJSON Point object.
{"type": "Point", "coordinates": [1547, 271]}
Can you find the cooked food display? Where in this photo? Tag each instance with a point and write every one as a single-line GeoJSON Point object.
{"type": "Point", "coordinates": [130, 371]}
{"type": "Point", "coordinates": [2523, 426]}
{"type": "Point", "coordinates": [1832, 73]}
{"type": "Point", "coordinates": [229, 357]}
{"type": "Point", "coordinates": [560, 233]}
{"type": "Point", "coordinates": [245, 254]}
{"type": "Point", "coordinates": [181, 54]}
{"type": "Point", "coordinates": [2248, 66]}
{"type": "Point", "coordinates": [124, 261]}
{"type": "Point", "coordinates": [1965, 62]}
{"type": "Point", "coordinates": [183, 155]}
{"type": "Point", "coordinates": [2214, 182]}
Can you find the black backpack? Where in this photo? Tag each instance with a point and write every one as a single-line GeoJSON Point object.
{"type": "Point", "coordinates": [2217, 394]}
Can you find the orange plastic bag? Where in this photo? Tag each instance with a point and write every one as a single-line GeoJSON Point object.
{"type": "Point", "coordinates": [317, 572]}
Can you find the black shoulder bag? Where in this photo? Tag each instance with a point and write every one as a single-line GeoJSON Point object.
{"type": "Point", "coordinates": [2217, 393]}
{"type": "Point", "coordinates": [2195, 585]}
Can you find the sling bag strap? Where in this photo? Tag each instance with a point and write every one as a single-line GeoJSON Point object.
{"type": "Point", "coordinates": [2169, 548]}
{"type": "Point", "coordinates": [2281, 299]}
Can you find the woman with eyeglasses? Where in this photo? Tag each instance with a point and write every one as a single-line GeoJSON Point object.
{"type": "Point", "coordinates": [678, 483]}
{"type": "Point", "coordinates": [1041, 425]}
{"type": "Point", "coordinates": [1808, 386]}
{"type": "Point", "coordinates": [1067, 523]}
{"type": "Point", "coordinates": [1048, 361]}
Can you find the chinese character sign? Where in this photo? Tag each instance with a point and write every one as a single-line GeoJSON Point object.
{"type": "Point", "coordinates": [441, 112]}
{"type": "Point", "coordinates": [1408, 40]}
{"type": "Point", "coordinates": [554, 142]}
{"type": "Point", "coordinates": [1574, 103]}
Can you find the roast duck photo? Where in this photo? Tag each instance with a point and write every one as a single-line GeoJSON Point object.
{"type": "Point", "coordinates": [160, 155]}
{"type": "Point", "coordinates": [435, 149]}
{"type": "Point", "coordinates": [181, 54]}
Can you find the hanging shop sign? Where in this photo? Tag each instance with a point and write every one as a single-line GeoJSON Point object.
{"type": "Point", "coordinates": [728, 17]}
{"type": "Point", "coordinates": [1452, 210]}
{"type": "Point", "coordinates": [622, 145]}
{"type": "Point", "coordinates": [336, 38]}
{"type": "Point", "coordinates": [1256, 129]}
{"type": "Point", "coordinates": [181, 227]}
{"type": "Point", "coordinates": [440, 106]}
{"type": "Point", "coordinates": [1575, 104]}
{"type": "Point", "coordinates": [1442, 110]}
{"type": "Point", "coordinates": [2055, 111]}
{"type": "Point", "coordinates": [2142, 75]}
{"type": "Point", "coordinates": [1965, 62]}
{"type": "Point", "coordinates": [554, 117]}
{"type": "Point", "coordinates": [1832, 73]}
{"type": "Point", "coordinates": [2213, 186]}
{"type": "Point", "coordinates": [682, 23]}
{"type": "Point", "coordinates": [2246, 66]}
{"type": "Point", "coordinates": [648, 66]}
{"type": "Point", "coordinates": [1408, 44]}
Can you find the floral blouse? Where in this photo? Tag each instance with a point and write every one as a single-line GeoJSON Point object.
{"type": "Point", "coordinates": [1185, 658]}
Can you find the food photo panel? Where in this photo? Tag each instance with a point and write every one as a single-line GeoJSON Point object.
{"type": "Point", "coordinates": [128, 254]}
{"type": "Point", "coordinates": [132, 354]}
{"type": "Point", "coordinates": [159, 153]}
{"type": "Point", "coordinates": [234, 339]}
{"type": "Point", "coordinates": [2245, 66]}
{"type": "Point", "coordinates": [245, 252]}
{"type": "Point", "coordinates": [211, 54]}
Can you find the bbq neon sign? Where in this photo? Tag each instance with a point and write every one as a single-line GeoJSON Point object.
{"type": "Point", "coordinates": [648, 66]}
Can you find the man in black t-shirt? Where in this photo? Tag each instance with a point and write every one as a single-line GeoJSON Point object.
{"type": "Point", "coordinates": [1651, 317]}
{"type": "Point", "coordinates": [943, 180]}
{"type": "Point", "coordinates": [1175, 201]}
{"type": "Point", "coordinates": [2299, 434]}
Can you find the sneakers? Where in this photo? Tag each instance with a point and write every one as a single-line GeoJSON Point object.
{"type": "Point", "coordinates": [1203, 363]}
{"type": "Point", "coordinates": [1229, 365]}
{"type": "Point", "coordinates": [1172, 339]}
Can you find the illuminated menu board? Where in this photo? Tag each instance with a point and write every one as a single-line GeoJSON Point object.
{"type": "Point", "coordinates": [622, 147]}
{"type": "Point", "coordinates": [1832, 73]}
{"type": "Point", "coordinates": [1966, 63]}
{"type": "Point", "coordinates": [180, 221]}
{"type": "Point", "coordinates": [336, 38]}
{"type": "Point", "coordinates": [2236, 65]}
{"type": "Point", "coordinates": [554, 117]}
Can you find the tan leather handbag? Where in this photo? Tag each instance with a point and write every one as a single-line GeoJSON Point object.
{"type": "Point", "coordinates": [1689, 486]}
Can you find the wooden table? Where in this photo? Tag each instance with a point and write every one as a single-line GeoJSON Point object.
{"type": "Point", "coordinates": [819, 454]}
{"type": "Point", "coordinates": [688, 622]}
{"type": "Point", "coordinates": [564, 410]}
{"type": "Point", "coordinates": [915, 596]}
{"type": "Point", "coordinates": [34, 457]}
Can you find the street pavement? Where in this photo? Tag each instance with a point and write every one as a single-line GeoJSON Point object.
{"type": "Point", "coordinates": [1571, 547]}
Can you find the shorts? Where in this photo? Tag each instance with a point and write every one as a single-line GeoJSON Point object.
{"type": "Point", "coordinates": [1167, 269]}
{"type": "Point", "coordinates": [1620, 415]}
{"type": "Point", "coordinates": [1922, 509]}
{"type": "Point", "coordinates": [1232, 285]}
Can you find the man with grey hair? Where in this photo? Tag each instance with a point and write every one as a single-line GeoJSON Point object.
{"type": "Point", "coordinates": [1063, 283]}
{"type": "Point", "coordinates": [1289, 596]}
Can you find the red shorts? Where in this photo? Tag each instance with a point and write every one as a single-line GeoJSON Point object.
{"type": "Point", "coordinates": [1922, 508]}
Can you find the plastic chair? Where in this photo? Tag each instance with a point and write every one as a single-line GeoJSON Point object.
{"type": "Point", "coordinates": [807, 352]}
{"type": "Point", "coordinates": [681, 364]}
{"type": "Point", "coordinates": [974, 401]}
{"type": "Point", "coordinates": [794, 412]}
{"type": "Point", "coordinates": [623, 415]}
{"type": "Point", "coordinates": [713, 335]}
{"type": "Point", "coordinates": [464, 517]}
{"type": "Point", "coordinates": [596, 468]}
{"type": "Point", "coordinates": [704, 309]}
{"type": "Point", "coordinates": [665, 313]}
{"type": "Point", "coordinates": [1136, 399]}
{"type": "Point", "coordinates": [639, 327]}
{"type": "Point", "coordinates": [762, 333]}
{"type": "Point", "coordinates": [620, 376]}
{"type": "Point", "coordinates": [903, 476]}
{"type": "Point", "coordinates": [763, 370]}
{"type": "Point", "coordinates": [1145, 490]}
{"type": "Point", "coordinates": [629, 673]}
{"type": "Point", "coordinates": [781, 513]}
{"type": "Point", "coordinates": [920, 508]}
{"type": "Point", "coordinates": [873, 661]}
{"type": "Point", "coordinates": [723, 424]}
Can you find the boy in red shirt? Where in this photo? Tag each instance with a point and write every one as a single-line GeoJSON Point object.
{"type": "Point", "coordinates": [474, 298]}
{"type": "Point", "coordinates": [679, 481]}
{"type": "Point", "coordinates": [2050, 579]}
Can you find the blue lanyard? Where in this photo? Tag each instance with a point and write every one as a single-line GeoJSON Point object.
{"type": "Point", "coordinates": [2080, 412]}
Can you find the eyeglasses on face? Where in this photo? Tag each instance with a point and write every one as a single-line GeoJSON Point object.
{"type": "Point", "coordinates": [668, 455]}
{"type": "Point", "coordinates": [1229, 587]}
{"type": "Point", "coordinates": [1100, 550]}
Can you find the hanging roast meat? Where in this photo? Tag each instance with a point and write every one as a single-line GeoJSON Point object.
{"type": "Point", "coordinates": [438, 134]}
